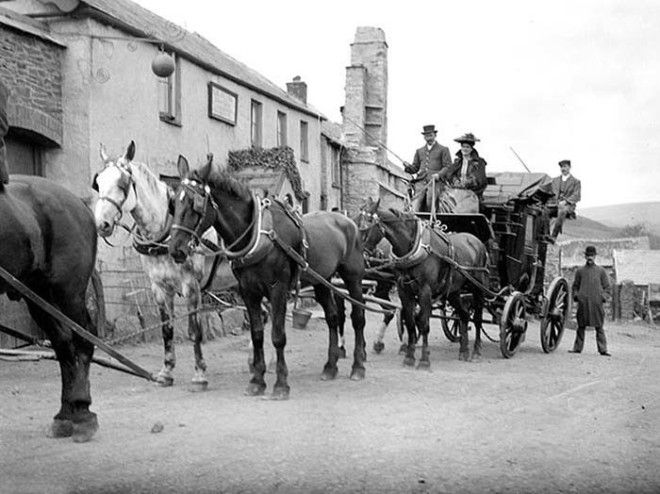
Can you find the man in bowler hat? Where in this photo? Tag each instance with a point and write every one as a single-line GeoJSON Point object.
{"type": "Point", "coordinates": [4, 127]}
{"type": "Point", "coordinates": [590, 288]}
{"type": "Point", "coordinates": [431, 159]}
{"type": "Point", "coordinates": [567, 190]}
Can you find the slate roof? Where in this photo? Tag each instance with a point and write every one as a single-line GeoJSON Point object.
{"type": "Point", "coordinates": [138, 21]}
{"type": "Point", "coordinates": [642, 267]}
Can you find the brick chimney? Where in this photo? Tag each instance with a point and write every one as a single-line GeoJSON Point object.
{"type": "Point", "coordinates": [297, 89]}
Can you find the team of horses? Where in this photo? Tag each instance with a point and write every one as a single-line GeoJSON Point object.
{"type": "Point", "coordinates": [50, 239]}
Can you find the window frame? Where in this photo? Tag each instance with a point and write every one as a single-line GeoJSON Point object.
{"type": "Point", "coordinates": [282, 134]}
{"type": "Point", "coordinates": [256, 127]}
{"type": "Point", "coordinates": [304, 141]}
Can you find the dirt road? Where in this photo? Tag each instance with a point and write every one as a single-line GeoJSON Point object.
{"type": "Point", "coordinates": [535, 423]}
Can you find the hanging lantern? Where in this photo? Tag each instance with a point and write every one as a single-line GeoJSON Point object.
{"type": "Point", "coordinates": [162, 64]}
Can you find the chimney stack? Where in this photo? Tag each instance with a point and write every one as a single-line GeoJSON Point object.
{"type": "Point", "coordinates": [297, 89]}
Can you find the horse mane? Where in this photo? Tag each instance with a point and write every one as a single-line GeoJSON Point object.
{"type": "Point", "coordinates": [225, 181]}
{"type": "Point", "coordinates": [146, 173]}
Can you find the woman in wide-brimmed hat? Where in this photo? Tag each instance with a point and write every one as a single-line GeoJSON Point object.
{"type": "Point", "coordinates": [469, 169]}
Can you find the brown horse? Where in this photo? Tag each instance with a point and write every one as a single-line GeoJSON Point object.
{"type": "Point", "coordinates": [251, 229]}
{"type": "Point", "coordinates": [422, 259]}
{"type": "Point", "coordinates": [49, 243]}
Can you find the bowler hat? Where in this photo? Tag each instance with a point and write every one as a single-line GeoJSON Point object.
{"type": "Point", "coordinates": [468, 138]}
{"type": "Point", "coordinates": [590, 250]}
{"type": "Point", "coordinates": [565, 162]}
{"type": "Point", "coordinates": [429, 129]}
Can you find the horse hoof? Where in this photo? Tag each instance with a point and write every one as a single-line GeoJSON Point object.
{"type": "Point", "coordinates": [197, 386]}
{"type": "Point", "coordinates": [358, 374]}
{"type": "Point", "coordinates": [279, 394]}
{"type": "Point", "coordinates": [342, 352]}
{"type": "Point", "coordinates": [379, 346]}
{"type": "Point", "coordinates": [409, 361]}
{"type": "Point", "coordinates": [465, 356]}
{"type": "Point", "coordinates": [164, 381]}
{"type": "Point", "coordinates": [60, 428]}
{"type": "Point", "coordinates": [403, 349]}
{"type": "Point", "coordinates": [329, 374]}
{"type": "Point", "coordinates": [255, 389]}
{"type": "Point", "coordinates": [84, 431]}
{"type": "Point", "coordinates": [424, 365]}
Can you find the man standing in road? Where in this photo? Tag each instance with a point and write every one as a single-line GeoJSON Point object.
{"type": "Point", "coordinates": [429, 160]}
{"type": "Point", "coordinates": [4, 127]}
{"type": "Point", "coordinates": [590, 288]}
{"type": "Point", "coordinates": [567, 190]}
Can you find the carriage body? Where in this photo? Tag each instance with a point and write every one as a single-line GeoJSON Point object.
{"type": "Point", "coordinates": [514, 224]}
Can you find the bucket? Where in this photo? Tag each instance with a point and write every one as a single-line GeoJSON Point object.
{"type": "Point", "coordinates": [300, 317]}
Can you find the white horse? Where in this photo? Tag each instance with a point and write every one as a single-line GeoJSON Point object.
{"type": "Point", "coordinates": [126, 185]}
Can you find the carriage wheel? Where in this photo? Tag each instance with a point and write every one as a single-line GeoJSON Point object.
{"type": "Point", "coordinates": [513, 324]}
{"type": "Point", "coordinates": [95, 303]}
{"type": "Point", "coordinates": [555, 315]}
{"type": "Point", "coordinates": [452, 327]}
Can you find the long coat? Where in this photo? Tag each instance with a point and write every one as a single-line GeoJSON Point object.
{"type": "Point", "coordinates": [475, 175]}
{"type": "Point", "coordinates": [570, 191]}
{"type": "Point", "coordinates": [590, 287]}
{"type": "Point", "coordinates": [427, 162]}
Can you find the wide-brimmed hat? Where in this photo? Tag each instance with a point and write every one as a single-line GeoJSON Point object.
{"type": "Point", "coordinates": [590, 250]}
{"type": "Point", "coordinates": [468, 138]}
{"type": "Point", "coordinates": [565, 162]}
{"type": "Point", "coordinates": [429, 129]}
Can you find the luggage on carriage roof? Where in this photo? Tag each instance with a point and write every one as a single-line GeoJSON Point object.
{"type": "Point", "coordinates": [506, 187]}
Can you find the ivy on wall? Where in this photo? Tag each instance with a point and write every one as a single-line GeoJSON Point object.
{"type": "Point", "coordinates": [279, 158]}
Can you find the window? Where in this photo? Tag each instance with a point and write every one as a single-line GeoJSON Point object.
{"type": "Point", "coordinates": [169, 95]}
{"type": "Point", "coordinates": [304, 144]}
{"type": "Point", "coordinates": [281, 129]}
{"type": "Point", "coordinates": [256, 124]}
{"type": "Point", "coordinates": [335, 167]}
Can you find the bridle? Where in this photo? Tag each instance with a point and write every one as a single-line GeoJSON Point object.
{"type": "Point", "coordinates": [124, 185]}
{"type": "Point", "coordinates": [202, 197]}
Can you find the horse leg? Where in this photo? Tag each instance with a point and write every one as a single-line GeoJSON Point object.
{"type": "Point", "coordinates": [382, 292]}
{"type": "Point", "coordinates": [422, 320]}
{"type": "Point", "coordinates": [257, 384]}
{"type": "Point", "coordinates": [324, 297]}
{"type": "Point", "coordinates": [408, 314]}
{"type": "Point", "coordinates": [455, 300]}
{"type": "Point", "coordinates": [341, 321]}
{"type": "Point", "coordinates": [278, 296]}
{"type": "Point", "coordinates": [194, 298]}
{"type": "Point", "coordinates": [358, 371]}
{"type": "Point", "coordinates": [165, 301]}
{"type": "Point", "coordinates": [478, 322]}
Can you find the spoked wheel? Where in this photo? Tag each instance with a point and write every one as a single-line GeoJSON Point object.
{"type": "Point", "coordinates": [556, 313]}
{"type": "Point", "coordinates": [513, 324]}
{"type": "Point", "coordinates": [451, 326]}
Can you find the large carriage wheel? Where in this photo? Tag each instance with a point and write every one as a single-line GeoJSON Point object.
{"type": "Point", "coordinates": [555, 315]}
{"type": "Point", "coordinates": [513, 324]}
{"type": "Point", "coordinates": [95, 302]}
{"type": "Point", "coordinates": [450, 326]}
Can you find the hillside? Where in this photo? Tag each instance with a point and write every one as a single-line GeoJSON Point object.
{"type": "Point", "coordinates": [584, 227]}
{"type": "Point", "coordinates": [621, 215]}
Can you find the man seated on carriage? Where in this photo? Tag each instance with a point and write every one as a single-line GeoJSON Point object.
{"type": "Point", "coordinates": [567, 190]}
{"type": "Point", "coordinates": [431, 159]}
{"type": "Point", "coordinates": [4, 127]}
{"type": "Point", "coordinates": [469, 169]}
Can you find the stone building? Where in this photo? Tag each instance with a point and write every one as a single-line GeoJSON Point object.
{"type": "Point", "coordinates": [80, 74]}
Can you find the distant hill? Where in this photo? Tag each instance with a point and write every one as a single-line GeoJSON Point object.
{"type": "Point", "coordinates": [621, 215]}
{"type": "Point", "coordinates": [583, 227]}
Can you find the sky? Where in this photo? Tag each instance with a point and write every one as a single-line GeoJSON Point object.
{"type": "Point", "coordinates": [576, 80]}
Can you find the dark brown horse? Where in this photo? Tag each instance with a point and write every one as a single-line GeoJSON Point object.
{"type": "Point", "coordinates": [251, 229]}
{"type": "Point", "coordinates": [49, 243]}
{"type": "Point", "coordinates": [426, 275]}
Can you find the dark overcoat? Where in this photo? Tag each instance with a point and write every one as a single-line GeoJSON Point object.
{"type": "Point", "coordinates": [590, 288]}
{"type": "Point", "coordinates": [475, 175]}
{"type": "Point", "coordinates": [427, 162]}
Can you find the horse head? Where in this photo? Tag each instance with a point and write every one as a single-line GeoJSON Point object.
{"type": "Point", "coordinates": [194, 210]}
{"type": "Point", "coordinates": [114, 184]}
{"type": "Point", "coordinates": [367, 221]}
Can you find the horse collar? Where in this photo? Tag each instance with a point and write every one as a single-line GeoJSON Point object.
{"type": "Point", "coordinates": [417, 254]}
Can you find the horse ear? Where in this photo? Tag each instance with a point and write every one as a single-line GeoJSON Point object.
{"type": "Point", "coordinates": [183, 166]}
{"type": "Point", "coordinates": [205, 171]}
{"type": "Point", "coordinates": [377, 204]}
{"type": "Point", "coordinates": [130, 152]}
{"type": "Point", "coordinates": [104, 154]}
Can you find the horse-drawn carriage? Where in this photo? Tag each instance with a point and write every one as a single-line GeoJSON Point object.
{"type": "Point", "coordinates": [513, 224]}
